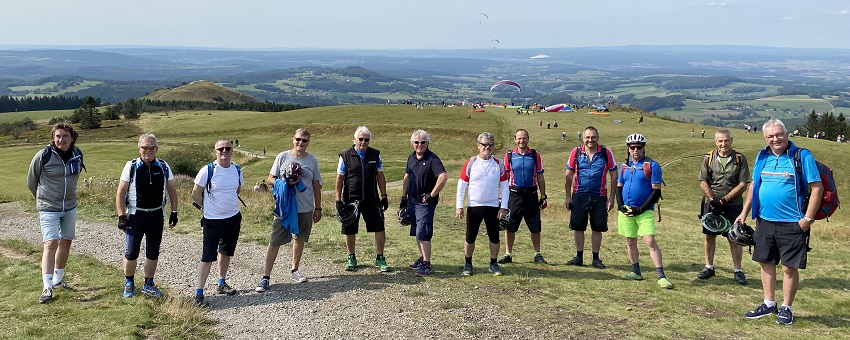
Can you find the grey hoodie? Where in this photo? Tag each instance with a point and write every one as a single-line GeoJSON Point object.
{"type": "Point", "coordinates": [54, 185]}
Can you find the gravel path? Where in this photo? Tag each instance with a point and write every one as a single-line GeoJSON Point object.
{"type": "Point", "coordinates": [333, 304]}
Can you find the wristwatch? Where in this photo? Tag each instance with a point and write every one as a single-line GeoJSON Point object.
{"type": "Point", "coordinates": [811, 220]}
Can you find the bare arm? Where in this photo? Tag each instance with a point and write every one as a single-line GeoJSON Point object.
{"type": "Point", "coordinates": [612, 191]}
{"type": "Point", "coordinates": [706, 190]}
{"type": "Point", "coordinates": [120, 196]}
{"type": "Point", "coordinates": [541, 184]}
{"type": "Point", "coordinates": [736, 192]}
{"type": "Point", "coordinates": [317, 197]}
{"type": "Point", "coordinates": [198, 195]}
{"type": "Point", "coordinates": [568, 187]}
{"type": "Point", "coordinates": [748, 204]}
{"type": "Point", "coordinates": [816, 194]}
{"type": "Point", "coordinates": [382, 183]}
{"type": "Point", "coordinates": [404, 182]}
{"type": "Point", "coordinates": [441, 183]}
{"type": "Point", "coordinates": [172, 194]}
{"type": "Point", "coordinates": [338, 187]}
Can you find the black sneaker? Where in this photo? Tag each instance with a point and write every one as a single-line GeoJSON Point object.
{"type": "Point", "coordinates": [538, 258]}
{"type": "Point", "coordinates": [46, 296]}
{"type": "Point", "coordinates": [199, 301]}
{"type": "Point", "coordinates": [224, 288]}
{"type": "Point", "coordinates": [785, 316]}
{"type": "Point", "coordinates": [597, 263]}
{"type": "Point", "coordinates": [494, 268]}
{"type": "Point", "coordinates": [64, 285]}
{"type": "Point", "coordinates": [576, 261]}
{"type": "Point", "coordinates": [467, 269]}
{"type": "Point", "coordinates": [761, 311]}
{"type": "Point", "coordinates": [740, 278]}
{"type": "Point", "coordinates": [705, 273]}
{"type": "Point", "coordinates": [505, 259]}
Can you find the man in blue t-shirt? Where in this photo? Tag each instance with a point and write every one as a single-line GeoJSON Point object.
{"type": "Point", "coordinates": [592, 193]}
{"type": "Point", "coordinates": [783, 218]}
{"type": "Point", "coordinates": [638, 189]}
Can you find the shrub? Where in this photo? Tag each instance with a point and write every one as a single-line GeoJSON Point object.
{"type": "Point", "coordinates": [187, 160]}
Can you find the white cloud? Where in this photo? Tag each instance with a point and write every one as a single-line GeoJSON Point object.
{"type": "Point", "coordinates": [716, 4]}
{"type": "Point", "coordinates": [787, 19]}
{"type": "Point", "coordinates": [841, 12]}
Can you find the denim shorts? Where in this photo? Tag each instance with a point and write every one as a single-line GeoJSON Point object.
{"type": "Point", "coordinates": [56, 225]}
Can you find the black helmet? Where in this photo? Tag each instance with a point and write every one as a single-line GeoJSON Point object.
{"type": "Point", "coordinates": [403, 217]}
{"type": "Point", "coordinates": [741, 234]}
{"type": "Point", "coordinates": [348, 214]}
{"type": "Point", "coordinates": [505, 222]}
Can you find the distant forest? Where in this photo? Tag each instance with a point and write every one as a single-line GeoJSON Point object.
{"type": "Point", "coordinates": [10, 104]}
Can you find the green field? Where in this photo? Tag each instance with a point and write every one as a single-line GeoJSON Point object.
{"type": "Point", "coordinates": [593, 302]}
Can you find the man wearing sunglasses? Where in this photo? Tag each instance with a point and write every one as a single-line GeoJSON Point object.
{"type": "Point", "coordinates": [140, 202]}
{"type": "Point", "coordinates": [359, 177]}
{"type": "Point", "coordinates": [308, 205]}
{"type": "Point", "coordinates": [638, 189]}
{"type": "Point", "coordinates": [424, 178]}
{"type": "Point", "coordinates": [218, 196]}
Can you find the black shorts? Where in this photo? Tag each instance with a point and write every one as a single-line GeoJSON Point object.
{"type": "Point", "coordinates": [372, 215]}
{"type": "Point", "coordinates": [730, 212]}
{"type": "Point", "coordinates": [523, 205]}
{"type": "Point", "coordinates": [490, 216]}
{"type": "Point", "coordinates": [220, 235]}
{"type": "Point", "coordinates": [780, 241]}
{"type": "Point", "coordinates": [147, 224]}
{"type": "Point", "coordinates": [591, 207]}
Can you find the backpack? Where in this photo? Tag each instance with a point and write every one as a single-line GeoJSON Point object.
{"type": "Point", "coordinates": [709, 157]}
{"type": "Point", "coordinates": [47, 153]}
{"type": "Point", "coordinates": [577, 150]}
{"type": "Point", "coordinates": [472, 160]}
{"type": "Point", "coordinates": [135, 164]}
{"type": "Point", "coordinates": [829, 201]}
{"type": "Point", "coordinates": [647, 169]}
{"type": "Point", "coordinates": [533, 157]}
{"type": "Point", "coordinates": [210, 172]}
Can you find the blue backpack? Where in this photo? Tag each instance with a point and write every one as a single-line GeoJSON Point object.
{"type": "Point", "coordinates": [210, 172]}
{"type": "Point", "coordinates": [47, 153]}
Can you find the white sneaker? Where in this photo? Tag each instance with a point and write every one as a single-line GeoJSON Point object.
{"type": "Point", "coordinates": [297, 277]}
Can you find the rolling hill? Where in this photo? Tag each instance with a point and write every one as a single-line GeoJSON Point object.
{"type": "Point", "coordinates": [201, 90]}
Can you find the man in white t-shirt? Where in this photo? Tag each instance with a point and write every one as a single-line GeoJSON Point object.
{"type": "Point", "coordinates": [218, 196]}
{"type": "Point", "coordinates": [487, 182]}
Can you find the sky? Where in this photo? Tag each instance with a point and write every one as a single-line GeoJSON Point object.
{"type": "Point", "coordinates": [427, 24]}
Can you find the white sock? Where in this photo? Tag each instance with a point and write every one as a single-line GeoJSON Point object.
{"type": "Point", "coordinates": [58, 275]}
{"type": "Point", "coordinates": [709, 267]}
{"type": "Point", "coordinates": [784, 306]}
{"type": "Point", "coordinates": [769, 303]}
{"type": "Point", "coordinates": [739, 270]}
{"type": "Point", "coordinates": [47, 280]}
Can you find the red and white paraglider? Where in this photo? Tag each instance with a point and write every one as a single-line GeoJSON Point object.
{"type": "Point", "coordinates": [506, 82]}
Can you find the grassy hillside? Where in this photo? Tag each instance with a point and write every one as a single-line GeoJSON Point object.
{"type": "Point", "coordinates": [590, 300]}
{"type": "Point", "coordinates": [200, 91]}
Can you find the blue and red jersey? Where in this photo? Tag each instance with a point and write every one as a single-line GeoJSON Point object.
{"type": "Point", "coordinates": [590, 175]}
{"type": "Point", "coordinates": [523, 168]}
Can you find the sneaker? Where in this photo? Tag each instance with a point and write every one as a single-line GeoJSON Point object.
{"type": "Point", "coordinates": [539, 258]}
{"type": "Point", "coordinates": [297, 277]}
{"type": "Point", "coordinates": [705, 273]}
{"type": "Point", "coordinates": [351, 263]}
{"type": "Point", "coordinates": [416, 264]}
{"type": "Point", "coordinates": [632, 276]}
{"type": "Point", "coordinates": [494, 268]}
{"type": "Point", "coordinates": [262, 286]}
{"type": "Point", "coordinates": [424, 269]}
{"type": "Point", "coordinates": [46, 295]}
{"type": "Point", "coordinates": [576, 261]}
{"type": "Point", "coordinates": [664, 283]}
{"type": "Point", "coordinates": [762, 311]}
{"type": "Point", "coordinates": [381, 264]}
{"type": "Point", "coordinates": [467, 269]}
{"type": "Point", "coordinates": [199, 301]}
{"type": "Point", "coordinates": [62, 284]}
{"type": "Point", "coordinates": [129, 290]}
{"type": "Point", "coordinates": [505, 259]}
{"type": "Point", "coordinates": [740, 278]}
{"type": "Point", "coordinates": [226, 289]}
{"type": "Point", "coordinates": [597, 263]}
{"type": "Point", "coordinates": [785, 317]}
{"type": "Point", "coordinates": [151, 291]}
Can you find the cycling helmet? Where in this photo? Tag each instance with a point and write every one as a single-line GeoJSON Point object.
{"type": "Point", "coordinates": [635, 138]}
{"type": "Point", "coordinates": [403, 217]}
{"type": "Point", "coordinates": [505, 222]}
{"type": "Point", "coordinates": [715, 223]}
{"type": "Point", "coordinates": [741, 234]}
{"type": "Point", "coordinates": [348, 214]}
{"type": "Point", "coordinates": [293, 172]}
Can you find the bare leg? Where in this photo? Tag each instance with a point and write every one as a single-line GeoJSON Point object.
{"type": "Point", "coordinates": [62, 253]}
{"type": "Point", "coordinates": [535, 242]}
{"type": "Point", "coordinates": [350, 243]}
{"type": "Point", "coordinates": [380, 240]}
{"type": "Point", "coordinates": [494, 250]}
{"type": "Point", "coordinates": [48, 257]}
{"type": "Point", "coordinates": [203, 273]}
{"type": "Point", "coordinates": [790, 282]}
{"type": "Point", "coordinates": [737, 254]}
{"type": "Point", "coordinates": [578, 236]}
{"type": "Point", "coordinates": [595, 241]}
{"type": "Point", "coordinates": [710, 245]}
{"type": "Point", "coordinates": [632, 250]}
{"type": "Point", "coordinates": [297, 251]}
{"type": "Point", "coordinates": [425, 250]}
{"type": "Point", "coordinates": [271, 256]}
{"type": "Point", "coordinates": [223, 265]}
{"type": "Point", "coordinates": [150, 268]}
{"type": "Point", "coordinates": [654, 251]}
{"type": "Point", "coordinates": [468, 249]}
{"type": "Point", "coordinates": [768, 280]}
{"type": "Point", "coordinates": [509, 241]}
{"type": "Point", "coordinates": [130, 267]}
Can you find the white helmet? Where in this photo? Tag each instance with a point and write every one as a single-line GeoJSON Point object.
{"type": "Point", "coordinates": [635, 138]}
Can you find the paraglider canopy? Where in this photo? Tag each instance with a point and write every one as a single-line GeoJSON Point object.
{"type": "Point", "coordinates": [506, 82]}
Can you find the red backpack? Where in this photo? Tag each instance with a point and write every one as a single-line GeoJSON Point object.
{"type": "Point", "coordinates": [829, 201]}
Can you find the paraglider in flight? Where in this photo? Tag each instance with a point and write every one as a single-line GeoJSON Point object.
{"type": "Point", "coordinates": [506, 82]}
{"type": "Point", "coordinates": [496, 40]}
{"type": "Point", "coordinates": [485, 16]}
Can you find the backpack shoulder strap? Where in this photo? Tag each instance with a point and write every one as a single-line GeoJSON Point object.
{"type": "Point", "coordinates": [469, 166]}
{"type": "Point", "coordinates": [46, 153]}
{"type": "Point", "coordinates": [79, 152]}
{"type": "Point", "coordinates": [210, 168]}
{"type": "Point", "coordinates": [133, 165]}
{"type": "Point", "coordinates": [238, 173]}
{"type": "Point", "coordinates": [604, 152]}
{"type": "Point", "coordinates": [798, 167]}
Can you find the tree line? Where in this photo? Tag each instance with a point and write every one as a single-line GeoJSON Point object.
{"type": "Point", "coordinates": [12, 104]}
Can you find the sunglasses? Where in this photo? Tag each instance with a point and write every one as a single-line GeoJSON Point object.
{"type": "Point", "coordinates": [635, 147]}
{"type": "Point", "coordinates": [302, 140]}
{"type": "Point", "coordinates": [147, 147]}
{"type": "Point", "coordinates": [226, 148]}
{"type": "Point", "coordinates": [417, 142]}
{"type": "Point", "coordinates": [363, 139]}
{"type": "Point", "coordinates": [486, 144]}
